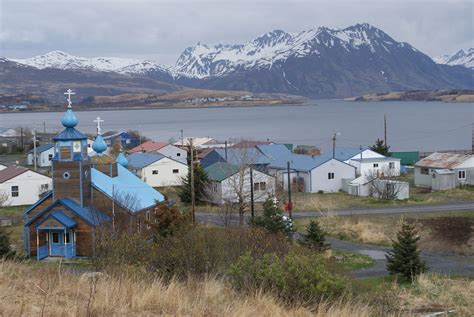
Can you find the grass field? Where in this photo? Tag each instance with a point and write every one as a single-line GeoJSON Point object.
{"type": "Point", "coordinates": [442, 231]}
{"type": "Point", "coordinates": [35, 289]}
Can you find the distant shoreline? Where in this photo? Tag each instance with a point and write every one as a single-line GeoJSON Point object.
{"type": "Point", "coordinates": [448, 96]}
{"type": "Point", "coordinates": [81, 109]}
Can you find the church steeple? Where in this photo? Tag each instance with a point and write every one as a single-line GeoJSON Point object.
{"type": "Point", "coordinates": [99, 145]}
{"type": "Point", "coordinates": [71, 164]}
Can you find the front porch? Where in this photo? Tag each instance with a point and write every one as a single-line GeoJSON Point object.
{"type": "Point", "coordinates": [56, 237]}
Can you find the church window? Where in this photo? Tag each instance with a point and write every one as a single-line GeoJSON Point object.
{"type": "Point", "coordinates": [148, 219]}
{"type": "Point", "coordinates": [66, 175]}
{"type": "Point", "coordinates": [55, 237]}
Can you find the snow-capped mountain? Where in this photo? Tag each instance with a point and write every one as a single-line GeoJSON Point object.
{"type": "Point", "coordinates": [276, 46]}
{"type": "Point", "coordinates": [65, 61]}
{"type": "Point", "coordinates": [318, 63]}
{"type": "Point", "coordinates": [462, 57]}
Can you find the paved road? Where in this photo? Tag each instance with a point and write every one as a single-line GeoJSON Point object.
{"type": "Point", "coordinates": [437, 261]}
{"type": "Point", "coordinates": [219, 220]}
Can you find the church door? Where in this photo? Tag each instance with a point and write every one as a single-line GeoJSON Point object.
{"type": "Point", "coordinates": [56, 240]}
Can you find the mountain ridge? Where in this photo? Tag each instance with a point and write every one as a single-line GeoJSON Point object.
{"type": "Point", "coordinates": [320, 62]}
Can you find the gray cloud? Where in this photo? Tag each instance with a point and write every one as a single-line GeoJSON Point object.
{"type": "Point", "coordinates": [161, 30]}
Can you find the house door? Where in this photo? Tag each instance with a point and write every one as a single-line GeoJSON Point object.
{"type": "Point", "coordinates": [56, 243]}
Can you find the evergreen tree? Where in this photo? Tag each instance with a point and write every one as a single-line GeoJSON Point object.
{"type": "Point", "coordinates": [5, 250]}
{"type": "Point", "coordinates": [273, 219]}
{"type": "Point", "coordinates": [200, 182]}
{"type": "Point", "coordinates": [405, 259]}
{"type": "Point", "coordinates": [315, 236]}
{"type": "Point", "coordinates": [380, 147]}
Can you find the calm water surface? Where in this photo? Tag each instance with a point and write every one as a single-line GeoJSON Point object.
{"type": "Point", "coordinates": [423, 126]}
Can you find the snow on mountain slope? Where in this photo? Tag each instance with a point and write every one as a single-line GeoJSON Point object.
{"type": "Point", "coordinates": [202, 61]}
{"type": "Point", "coordinates": [462, 57]}
{"type": "Point", "coordinates": [65, 61]}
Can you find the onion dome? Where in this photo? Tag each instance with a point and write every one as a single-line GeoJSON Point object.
{"type": "Point", "coordinates": [99, 145]}
{"type": "Point", "coordinates": [122, 160]}
{"type": "Point", "coordinates": [69, 119]}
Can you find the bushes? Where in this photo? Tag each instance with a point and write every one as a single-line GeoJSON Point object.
{"type": "Point", "coordinates": [5, 249]}
{"type": "Point", "coordinates": [202, 251]}
{"type": "Point", "coordinates": [273, 219]}
{"type": "Point", "coordinates": [294, 277]}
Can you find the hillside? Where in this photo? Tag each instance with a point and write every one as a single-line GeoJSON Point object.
{"type": "Point", "coordinates": [421, 95]}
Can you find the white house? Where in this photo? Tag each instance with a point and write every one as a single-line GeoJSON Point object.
{"type": "Point", "coordinates": [2, 167]}
{"type": "Point", "coordinates": [227, 182]}
{"type": "Point", "coordinates": [166, 149]}
{"type": "Point", "coordinates": [22, 186]}
{"type": "Point", "coordinates": [156, 169]}
{"type": "Point", "coordinates": [368, 162]}
{"type": "Point", "coordinates": [44, 155]}
{"type": "Point", "coordinates": [379, 188]}
{"type": "Point", "coordinates": [440, 171]}
{"type": "Point", "coordinates": [308, 173]}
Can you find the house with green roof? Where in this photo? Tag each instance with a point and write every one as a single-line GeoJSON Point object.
{"type": "Point", "coordinates": [229, 183]}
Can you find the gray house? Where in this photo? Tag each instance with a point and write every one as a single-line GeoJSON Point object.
{"type": "Point", "coordinates": [441, 171]}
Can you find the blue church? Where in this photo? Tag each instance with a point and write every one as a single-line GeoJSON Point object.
{"type": "Point", "coordinates": [89, 195]}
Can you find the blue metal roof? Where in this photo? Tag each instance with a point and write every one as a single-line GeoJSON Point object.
{"type": "Point", "coordinates": [46, 196]}
{"type": "Point", "coordinates": [62, 218]}
{"type": "Point", "coordinates": [70, 134]}
{"type": "Point", "coordinates": [243, 156]}
{"type": "Point", "coordinates": [279, 155]}
{"type": "Point", "coordinates": [127, 186]}
{"type": "Point", "coordinates": [42, 148]}
{"type": "Point", "coordinates": [345, 153]}
{"type": "Point", "coordinates": [140, 159]}
{"type": "Point", "coordinates": [90, 215]}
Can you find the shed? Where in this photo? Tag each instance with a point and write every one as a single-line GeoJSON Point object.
{"type": "Point", "coordinates": [443, 179]}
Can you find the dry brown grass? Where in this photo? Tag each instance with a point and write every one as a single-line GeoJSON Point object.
{"type": "Point", "coordinates": [27, 289]}
{"type": "Point", "coordinates": [434, 292]}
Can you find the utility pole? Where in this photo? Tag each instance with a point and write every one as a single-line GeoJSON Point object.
{"type": "Point", "coordinates": [334, 144]}
{"type": "Point", "coordinates": [193, 198]}
{"type": "Point", "coordinates": [44, 127]}
{"type": "Point", "coordinates": [21, 138]}
{"type": "Point", "coordinates": [252, 209]}
{"type": "Point", "coordinates": [290, 205]}
{"type": "Point", "coordinates": [182, 140]}
{"type": "Point", "coordinates": [225, 150]}
{"type": "Point", "coordinates": [385, 129]}
{"type": "Point", "coordinates": [34, 149]}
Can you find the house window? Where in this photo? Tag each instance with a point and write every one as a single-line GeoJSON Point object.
{"type": "Point", "coordinates": [178, 154]}
{"type": "Point", "coordinates": [68, 238]}
{"type": "Point", "coordinates": [148, 219]}
{"type": "Point", "coordinates": [127, 141]}
{"type": "Point", "coordinates": [424, 171]}
{"type": "Point", "coordinates": [139, 225]}
{"type": "Point", "coordinates": [50, 157]}
{"type": "Point", "coordinates": [176, 171]}
{"type": "Point", "coordinates": [330, 175]}
{"type": "Point", "coordinates": [44, 187]}
{"type": "Point", "coordinates": [55, 237]}
{"type": "Point", "coordinates": [376, 165]}
{"type": "Point", "coordinates": [259, 186]}
{"type": "Point", "coordinates": [156, 215]}
{"type": "Point", "coordinates": [391, 165]}
{"type": "Point", "coordinates": [15, 191]}
{"type": "Point", "coordinates": [154, 172]}
{"type": "Point", "coordinates": [462, 174]}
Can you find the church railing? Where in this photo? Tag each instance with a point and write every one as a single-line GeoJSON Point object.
{"type": "Point", "coordinates": [42, 252]}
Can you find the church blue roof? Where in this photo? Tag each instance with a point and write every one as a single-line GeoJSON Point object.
{"type": "Point", "coordinates": [99, 145]}
{"type": "Point", "coordinates": [69, 134]}
{"type": "Point", "coordinates": [88, 214]}
{"type": "Point", "coordinates": [69, 119]}
{"type": "Point", "coordinates": [135, 194]}
{"type": "Point", "coordinates": [62, 218]}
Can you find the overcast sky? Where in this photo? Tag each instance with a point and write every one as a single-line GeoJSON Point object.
{"type": "Point", "coordinates": [161, 30]}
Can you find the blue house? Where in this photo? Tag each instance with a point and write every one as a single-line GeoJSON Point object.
{"type": "Point", "coordinates": [125, 139]}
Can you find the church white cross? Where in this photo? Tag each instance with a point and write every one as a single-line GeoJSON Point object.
{"type": "Point", "coordinates": [98, 121]}
{"type": "Point", "coordinates": [69, 92]}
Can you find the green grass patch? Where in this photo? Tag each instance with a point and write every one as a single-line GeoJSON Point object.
{"type": "Point", "coordinates": [353, 261]}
